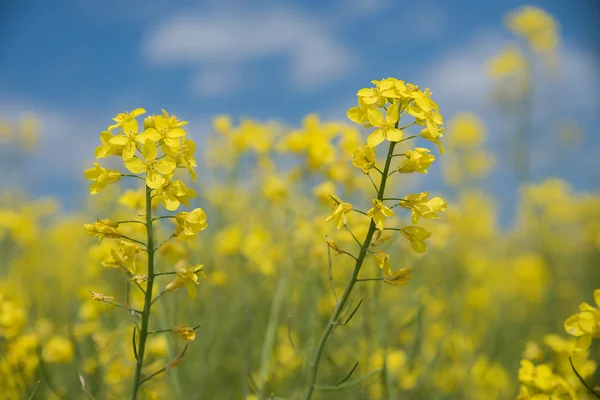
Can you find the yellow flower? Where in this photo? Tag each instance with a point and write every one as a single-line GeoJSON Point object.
{"type": "Point", "coordinates": [127, 121]}
{"type": "Point", "coordinates": [359, 114]}
{"type": "Point", "coordinates": [421, 206]}
{"type": "Point", "coordinates": [139, 278]}
{"type": "Point", "coordinates": [379, 212]}
{"type": "Point", "coordinates": [187, 276]}
{"type": "Point", "coordinates": [334, 245]}
{"type": "Point", "coordinates": [417, 160]}
{"type": "Point", "coordinates": [323, 190]}
{"type": "Point", "coordinates": [153, 167]}
{"type": "Point", "coordinates": [105, 228]}
{"type": "Point", "coordinates": [386, 126]}
{"type": "Point", "coordinates": [400, 277]}
{"type": "Point", "coordinates": [175, 193]}
{"type": "Point", "coordinates": [123, 259]}
{"type": "Point", "coordinates": [222, 124]}
{"type": "Point", "coordinates": [383, 261]}
{"type": "Point", "coordinates": [157, 346]}
{"type": "Point", "coordinates": [228, 240]}
{"type": "Point", "coordinates": [163, 133]}
{"type": "Point", "coordinates": [184, 155]}
{"type": "Point", "coordinates": [184, 332]}
{"type": "Point", "coordinates": [128, 143]}
{"type": "Point", "coordinates": [586, 324]}
{"type": "Point", "coordinates": [100, 297]}
{"type": "Point", "coordinates": [416, 235]}
{"type": "Point", "coordinates": [364, 158]}
{"type": "Point", "coordinates": [535, 25]}
{"type": "Point", "coordinates": [340, 209]}
{"type": "Point", "coordinates": [391, 88]}
{"type": "Point", "coordinates": [58, 349]}
{"type": "Point", "coordinates": [101, 177]}
{"type": "Point", "coordinates": [191, 223]}
{"type": "Point", "coordinates": [274, 188]}
{"type": "Point", "coordinates": [106, 148]}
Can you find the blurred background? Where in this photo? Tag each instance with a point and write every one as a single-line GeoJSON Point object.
{"type": "Point", "coordinates": [510, 260]}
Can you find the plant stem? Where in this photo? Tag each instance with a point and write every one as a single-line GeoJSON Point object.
{"type": "Point", "coordinates": [333, 321]}
{"type": "Point", "coordinates": [271, 332]}
{"type": "Point", "coordinates": [147, 298]}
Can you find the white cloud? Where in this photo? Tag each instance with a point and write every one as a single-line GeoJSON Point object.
{"type": "Point", "coordinates": [459, 82]}
{"type": "Point", "coordinates": [216, 80]}
{"type": "Point", "coordinates": [226, 39]}
{"type": "Point", "coordinates": [459, 79]}
{"type": "Point", "coordinates": [66, 143]}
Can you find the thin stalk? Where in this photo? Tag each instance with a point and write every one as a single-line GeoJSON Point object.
{"type": "Point", "coordinates": [163, 217]}
{"type": "Point", "coordinates": [137, 378]}
{"type": "Point", "coordinates": [333, 321]}
{"type": "Point", "coordinates": [271, 332]}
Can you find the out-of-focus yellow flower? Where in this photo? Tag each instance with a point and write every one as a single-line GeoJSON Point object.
{"type": "Point", "coordinates": [399, 277]}
{"type": "Point", "coordinates": [184, 332]}
{"type": "Point", "coordinates": [379, 212]}
{"type": "Point", "coordinates": [58, 349]}
{"type": "Point", "coordinates": [222, 124]}
{"type": "Point", "coordinates": [536, 25]}
{"type": "Point", "coordinates": [12, 318]}
{"type": "Point", "coordinates": [510, 62]}
{"type": "Point", "coordinates": [157, 345]}
{"type": "Point", "coordinates": [533, 351]}
{"type": "Point", "coordinates": [187, 276]}
{"type": "Point", "coordinates": [100, 297]}
{"type": "Point", "coordinates": [466, 130]}
{"type": "Point", "coordinates": [101, 177]}
{"type": "Point", "coordinates": [274, 188]}
{"type": "Point", "coordinates": [323, 191]}
{"type": "Point", "coordinates": [228, 240]}
{"type": "Point", "coordinates": [136, 199]}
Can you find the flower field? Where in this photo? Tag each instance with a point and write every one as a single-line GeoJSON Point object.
{"type": "Point", "coordinates": [364, 257]}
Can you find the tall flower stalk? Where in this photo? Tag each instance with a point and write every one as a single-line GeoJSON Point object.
{"type": "Point", "coordinates": [381, 108]}
{"type": "Point", "coordinates": [139, 152]}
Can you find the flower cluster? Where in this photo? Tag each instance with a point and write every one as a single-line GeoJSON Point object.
{"type": "Point", "coordinates": [381, 108]}
{"type": "Point", "coordinates": [153, 156]}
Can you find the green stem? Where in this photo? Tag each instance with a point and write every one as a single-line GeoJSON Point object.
{"type": "Point", "coordinates": [133, 176]}
{"type": "Point", "coordinates": [271, 332]}
{"type": "Point", "coordinates": [137, 378]}
{"type": "Point", "coordinates": [131, 222]}
{"type": "Point", "coordinates": [351, 383]}
{"type": "Point", "coordinates": [164, 217]}
{"type": "Point", "coordinates": [333, 321]}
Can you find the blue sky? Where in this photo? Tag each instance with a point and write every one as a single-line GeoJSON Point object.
{"type": "Point", "coordinates": [77, 63]}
